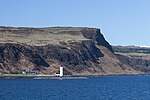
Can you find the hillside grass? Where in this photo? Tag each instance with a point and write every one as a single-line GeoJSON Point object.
{"type": "Point", "coordinates": [47, 36]}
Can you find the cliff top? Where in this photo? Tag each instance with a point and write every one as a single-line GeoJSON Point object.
{"type": "Point", "coordinates": [43, 36]}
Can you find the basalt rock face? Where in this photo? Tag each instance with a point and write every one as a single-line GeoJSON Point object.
{"type": "Point", "coordinates": [97, 37]}
{"type": "Point", "coordinates": [81, 51]}
{"type": "Point", "coordinates": [16, 56]}
{"type": "Point", "coordinates": [74, 56]}
{"type": "Point", "coordinates": [75, 53]}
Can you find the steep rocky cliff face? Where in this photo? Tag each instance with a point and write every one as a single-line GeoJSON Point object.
{"type": "Point", "coordinates": [82, 51]}
{"type": "Point", "coordinates": [97, 37]}
{"type": "Point", "coordinates": [15, 57]}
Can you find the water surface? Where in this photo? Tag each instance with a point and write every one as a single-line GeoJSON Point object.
{"type": "Point", "coordinates": [93, 88]}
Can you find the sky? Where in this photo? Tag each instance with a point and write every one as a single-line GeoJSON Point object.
{"type": "Point", "coordinates": [122, 22]}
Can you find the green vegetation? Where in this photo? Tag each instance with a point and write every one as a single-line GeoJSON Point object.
{"type": "Point", "coordinates": [41, 36]}
{"type": "Point", "coordinates": [128, 49]}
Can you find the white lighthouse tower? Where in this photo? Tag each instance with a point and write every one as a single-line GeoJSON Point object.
{"type": "Point", "coordinates": [61, 71]}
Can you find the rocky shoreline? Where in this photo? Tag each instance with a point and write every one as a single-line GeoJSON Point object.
{"type": "Point", "coordinates": [20, 76]}
{"type": "Point", "coordinates": [10, 76]}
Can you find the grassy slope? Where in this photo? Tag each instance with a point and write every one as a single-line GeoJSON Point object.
{"type": "Point", "coordinates": [43, 37]}
{"type": "Point", "coordinates": [133, 51]}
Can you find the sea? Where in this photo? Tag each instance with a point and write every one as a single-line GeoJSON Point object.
{"type": "Point", "coordinates": [124, 87]}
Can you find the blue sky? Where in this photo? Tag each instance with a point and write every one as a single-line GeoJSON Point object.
{"type": "Point", "coordinates": [122, 22]}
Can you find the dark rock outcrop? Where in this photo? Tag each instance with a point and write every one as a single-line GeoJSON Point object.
{"type": "Point", "coordinates": [96, 36]}
{"type": "Point", "coordinates": [75, 53]}
{"type": "Point", "coordinates": [68, 54]}
{"type": "Point", "coordinates": [11, 54]}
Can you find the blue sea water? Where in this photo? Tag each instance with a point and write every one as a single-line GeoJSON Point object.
{"type": "Point", "coordinates": [93, 88]}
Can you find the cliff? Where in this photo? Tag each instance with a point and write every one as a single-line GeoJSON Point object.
{"type": "Point", "coordinates": [136, 57]}
{"type": "Point", "coordinates": [82, 51]}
